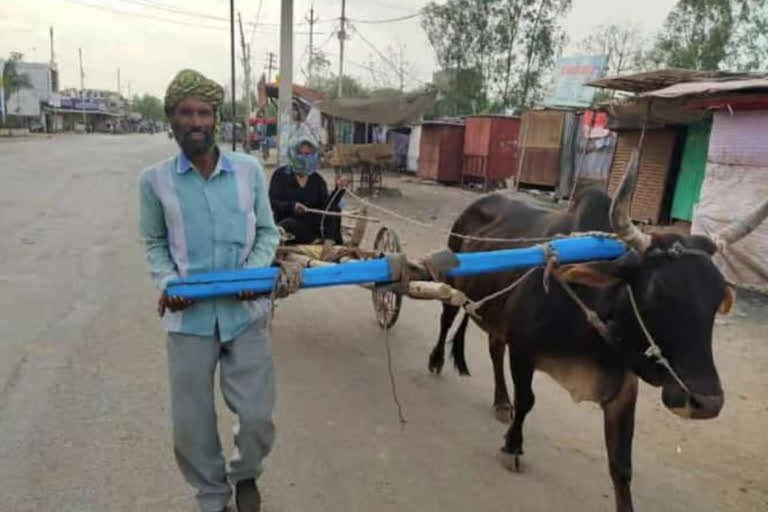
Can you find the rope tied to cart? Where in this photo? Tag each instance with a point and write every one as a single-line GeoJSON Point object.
{"type": "Point", "coordinates": [462, 236]}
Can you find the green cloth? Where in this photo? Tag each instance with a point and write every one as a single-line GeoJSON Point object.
{"type": "Point", "coordinates": [693, 168]}
{"type": "Point", "coordinates": [189, 82]}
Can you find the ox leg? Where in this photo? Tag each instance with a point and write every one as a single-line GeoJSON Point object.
{"type": "Point", "coordinates": [619, 422]}
{"type": "Point", "coordinates": [501, 405]}
{"type": "Point", "coordinates": [458, 347]}
{"type": "Point", "coordinates": [437, 357]}
{"type": "Point", "coordinates": [522, 378]}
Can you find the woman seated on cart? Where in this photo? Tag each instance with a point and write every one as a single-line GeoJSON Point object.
{"type": "Point", "coordinates": [297, 187]}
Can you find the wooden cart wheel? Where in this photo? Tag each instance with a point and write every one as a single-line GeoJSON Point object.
{"type": "Point", "coordinates": [386, 302]}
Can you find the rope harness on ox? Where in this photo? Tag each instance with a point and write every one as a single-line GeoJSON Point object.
{"type": "Point", "coordinates": [653, 352]}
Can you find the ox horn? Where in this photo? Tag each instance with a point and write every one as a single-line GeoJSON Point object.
{"type": "Point", "coordinates": [740, 228]}
{"type": "Point", "coordinates": [620, 219]}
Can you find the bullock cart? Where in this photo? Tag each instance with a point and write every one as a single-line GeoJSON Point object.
{"type": "Point", "coordinates": [362, 164]}
{"type": "Point", "coordinates": [387, 299]}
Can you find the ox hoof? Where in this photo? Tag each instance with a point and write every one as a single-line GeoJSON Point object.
{"type": "Point", "coordinates": [435, 366]}
{"type": "Point", "coordinates": [510, 461]}
{"type": "Point", "coordinates": [503, 413]}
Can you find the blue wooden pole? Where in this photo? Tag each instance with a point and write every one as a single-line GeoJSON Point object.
{"type": "Point", "coordinates": [261, 280]}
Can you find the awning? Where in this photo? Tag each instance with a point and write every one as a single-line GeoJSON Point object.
{"type": "Point", "coordinates": [662, 78]}
{"type": "Point", "coordinates": [631, 114]}
{"type": "Point", "coordinates": [388, 110]}
{"type": "Point", "coordinates": [702, 88]}
{"type": "Point", "coordinates": [80, 111]}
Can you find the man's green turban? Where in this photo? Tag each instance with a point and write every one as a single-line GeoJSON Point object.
{"type": "Point", "coordinates": [191, 83]}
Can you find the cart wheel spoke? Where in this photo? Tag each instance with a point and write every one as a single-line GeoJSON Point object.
{"type": "Point", "coordinates": [386, 302]}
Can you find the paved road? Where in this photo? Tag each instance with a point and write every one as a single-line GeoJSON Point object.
{"type": "Point", "coordinates": [84, 420]}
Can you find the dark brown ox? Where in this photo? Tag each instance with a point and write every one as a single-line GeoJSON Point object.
{"type": "Point", "coordinates": [677, 290]}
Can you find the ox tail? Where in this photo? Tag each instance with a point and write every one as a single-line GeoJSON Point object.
{"type": "Point", "coordinates": [458, 344]}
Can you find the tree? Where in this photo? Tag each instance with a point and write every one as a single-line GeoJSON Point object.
{"type": "Point", "coordinates": [714, 34]}
{"type": "Point", "coordinates": [509, 44]}
{"type": "Point", "coordinates": [507, 37]}
{"type": "Point", "coordinates": [544, 40]}
{"type": "Point", "coordinates": [748, 45]}
{"type": "Point", "coordinates": [695, 34]}
{"type": "Point", "coordinates": [150, 107]}
{"type": "Point", "coordinates": [621, 44]}
{"type": "Point", "coordinates": [13, 81]}
{"type": "Point", "coordinates": [319, 65]}
{"type": "Point", "coordinates": [390, 70]}
{"type": "Point", "coordinates": [226, 110]}
{"type": "Point", "coordinates": [451, 29]}
{"type": "Point", "coordinates": [328, 85]}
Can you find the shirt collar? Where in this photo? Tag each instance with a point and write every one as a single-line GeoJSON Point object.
{"type": "Point", "coordinates": [222, 164]}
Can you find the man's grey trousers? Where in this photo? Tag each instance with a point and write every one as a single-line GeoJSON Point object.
{"type": "Point", "coordinates": [248, 387]}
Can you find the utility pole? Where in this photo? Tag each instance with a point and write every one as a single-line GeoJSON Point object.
{"type": "Point", "coordinates": [82, 81]}
{"type": "Point", "coordinates": [311, 20]}
{"type": "Point", "coordinates": [119, 90]}
{"type": "Point", "coordinates": [247, 71]}
{"type": "Point", "coordinates": [270, 66]}
{"type": "Point", "coordinates": [53, 55]}
{"type": "Point", "coordinates": [342, 37]}
{"type": "Point", "coordinates": [401, 69]}
{"type": "Point", "coordinates": [54, 70]}
{"type": "Point", "coordinates": [232, 65]}
{"type": "Point", "coordinates": [285, 95]}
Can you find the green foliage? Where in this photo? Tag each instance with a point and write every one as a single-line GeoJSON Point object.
{"type": "Point", "coordinates": [714, 34]}
{"type": "Point", "coordinates": [507, 45]}
{"type": "Point", "coordinates": [226, 110]}
{"type": "Point", "coordinates": [14, 81]}
{"type": "Point", "coordinates": [328, 85]}
{"type": "Point", "coordinates": [150, 107]}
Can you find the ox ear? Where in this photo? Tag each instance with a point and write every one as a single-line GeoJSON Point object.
{"type": "Point", "coordinates": [728, 300]}
{"type": "Point", "coordinates": [599, 275]}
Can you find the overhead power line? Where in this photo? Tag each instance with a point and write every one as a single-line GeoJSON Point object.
{"type": "Point", "coordinates": [175, 22]}
{"type": "Point", "coordinates": [256, 22]}
{"type": "Point", "coordinates": [328, 40]}
{"type": "Point", "coordinates": [383, 57]}
{"type": "Point", "coordinates": [198, 14]}
{"type": "Point", "coordinates": [144, 16]}
{"type": "Point", "coordinates": [390, 20]}
{"type": "Point", "coordinates": [175, 10]}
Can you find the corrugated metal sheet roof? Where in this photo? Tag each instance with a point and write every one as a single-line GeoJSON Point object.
{"type": "Point", "coordinates": [653, 80]}
{"type": "Point", "coordinates": [712, 87]}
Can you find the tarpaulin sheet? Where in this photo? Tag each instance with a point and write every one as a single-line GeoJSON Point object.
{"type": "Point", "coordinates": [730, 192]}
{"type": "Point", "coordinates": [389, 110]}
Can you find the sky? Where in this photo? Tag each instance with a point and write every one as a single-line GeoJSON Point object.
{"type": "Point", "coordinates": [149, 40]}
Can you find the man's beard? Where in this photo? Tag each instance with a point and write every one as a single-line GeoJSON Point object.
{"type": "Point", "coordinates": [191, 147]}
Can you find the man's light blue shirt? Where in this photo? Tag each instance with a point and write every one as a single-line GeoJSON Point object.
{"type": "Point", "coordinates": [190, 225]}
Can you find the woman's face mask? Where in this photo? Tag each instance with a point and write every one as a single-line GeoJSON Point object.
{"type": "Point", "coordinates": [305, 163]}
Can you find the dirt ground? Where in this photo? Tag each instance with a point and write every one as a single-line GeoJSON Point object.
{"type": "Point", "coordinates": [732, 448]}
{"type": "Point", "coordinates": [84, 420]}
